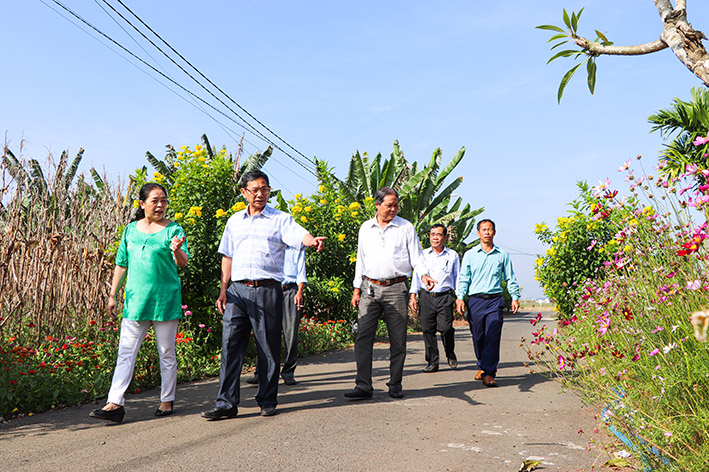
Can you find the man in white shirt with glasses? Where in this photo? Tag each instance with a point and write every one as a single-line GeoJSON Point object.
{"type": "Point", "coordinates": [387, 249]}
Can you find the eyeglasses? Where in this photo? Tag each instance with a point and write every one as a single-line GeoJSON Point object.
{"type": "Point", "coordinates": [256, 191]}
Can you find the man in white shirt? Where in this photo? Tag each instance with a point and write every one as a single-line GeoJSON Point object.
{"type": "Point", "coordinates": [251, 297]}
{"type": "Point", "coordinates": [387, 249]}
{"type": "Point", "coordinates": [437, 304]}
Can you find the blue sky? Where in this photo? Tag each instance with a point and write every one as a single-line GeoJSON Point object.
{"type": "Point", "coordinates": [335, 77]}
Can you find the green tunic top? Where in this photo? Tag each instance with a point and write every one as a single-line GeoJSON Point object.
{"type": "Point", "coordinates": [153, 289]}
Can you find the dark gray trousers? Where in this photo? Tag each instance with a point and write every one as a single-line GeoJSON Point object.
{"type": "Point", "coordinates": [259, 309]}
{"type": "Point", "coordinates": [291, 322]}
{"type": "Point", "coordinates": [391, 302]}
{"type": "Point", "coordinates": [436, 313]}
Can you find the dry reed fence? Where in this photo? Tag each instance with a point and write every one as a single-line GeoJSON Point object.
{"type": "Point", "coordinates": [57, 243]}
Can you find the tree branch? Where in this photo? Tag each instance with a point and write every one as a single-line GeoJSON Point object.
{"type": "Point", "coordinates": [598, 49]}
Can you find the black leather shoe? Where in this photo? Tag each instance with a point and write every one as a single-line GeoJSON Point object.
{"type": "Point", "coordinates": [395, 392]}
{"type": "Point", "coordinates": [289, 380]}
{"type": "Point", "coordinates": [219, 413]}
{"type": "Point", "coordinates": [109, 415]}
{"type": "Point", "coordinates": [253, 380]}
{"type": "Point", "coordinates": [160, 412]}
{"type": "Point", "coordinates": [453, 362]}
{"type": "Point", "coordinates": [358, 394]}
{"type": "Point", "coordinates": [268, 411]}
{"type": "Point", "coordinates": [431, 368]}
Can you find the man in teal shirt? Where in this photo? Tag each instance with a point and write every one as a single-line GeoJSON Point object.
{"type": "Point", "coordinates": [480, 278]}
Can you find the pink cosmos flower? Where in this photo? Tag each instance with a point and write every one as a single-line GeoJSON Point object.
{"type": "Point", "coordinates": [597, 190]}
{"type": "Point", "coordinates": [592, 245]}
{"type": "Point", "coordinates": [655, 351]}
{"type": "Point", "coordinates": [625, 166]}
{"type": "Point", "coordinates": [603, 324]}
{"type": "Point", "coordinates": [694, 285]}
{"type": "Point", "coordinates": [691, 168]}
{"type": "Point", "coordinates": [561, 362]}
{"type": "Point", "coordinates": [700, 141]}
{"type": "Point", "coordinates": [658, 329]}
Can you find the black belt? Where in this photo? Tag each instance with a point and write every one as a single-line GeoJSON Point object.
{"type": "Point", "coordinates": [486, 296]}
{"type": "Point", "coordinates": [387, 282]}
{"type": "Point", "coordinates": [289, 286]}
{"type": "Point", "coordinates": [257, 283]}
{"type": "Point", "coordinates": [435, 294]}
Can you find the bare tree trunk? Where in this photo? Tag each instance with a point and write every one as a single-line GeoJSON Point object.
{"type": "Point", "coordinates": [685, 41]}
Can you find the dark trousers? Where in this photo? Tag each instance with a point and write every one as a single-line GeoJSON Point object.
{"type": "Point", "coordinates": [436, 314]}
{"type": "Point", "coordinates": [391, 303]}
{"type": "Point", "coordinates": [251, 308]}
{"type": "Point", "coordinates": [291, 322]}
{"type": "Point", "coordinates": [485, 319]}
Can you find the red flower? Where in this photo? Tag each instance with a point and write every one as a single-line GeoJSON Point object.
{"type": "Point", "coordinates": [13, 382]}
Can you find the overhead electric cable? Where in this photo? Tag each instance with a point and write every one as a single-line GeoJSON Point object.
{"type": "Point", "coordinates": [78, 17]}
{"type": "Point", "coordinates": [194, 102]}
{"type": "Point", "coordinates": [207, 79]}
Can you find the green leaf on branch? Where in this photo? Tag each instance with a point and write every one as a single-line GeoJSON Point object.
{"type": "Point", "coordinates": [565, 81]}
{"type": "Point", "coordinates": [551, 28]}
{"type": "Point", "coordinates": [591, 68]}
{"type": "Point", "coordinates": [567, 20]}
{"type": "Point", "coordinates": [565, 53]}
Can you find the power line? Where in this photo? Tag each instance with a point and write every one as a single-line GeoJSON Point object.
{"type": "Point", "coordinates": [192, 101]}
{"type": "Point", "coordinates": [137, 66]}
{"type": "Point", "coordinates": [203, 76]}
{"type": "Point", "coordinates": [207, 79]}
{"type": "Point", "coordinates": [126, 50]}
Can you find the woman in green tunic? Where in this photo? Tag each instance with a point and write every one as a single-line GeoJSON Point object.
{"type": "Point", "coordinates": [151, 249]}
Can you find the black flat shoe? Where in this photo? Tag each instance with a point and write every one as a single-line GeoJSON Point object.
{"type": "Point", "coordinates": [219, 413]}
{"type": "Point", "coordinates": [109, 415]}
{"type": "Point", "coordinates": [358, 394]}
{"type": "Point", "coordinates": [160, 412]}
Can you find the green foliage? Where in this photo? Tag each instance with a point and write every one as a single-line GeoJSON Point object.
{"type": "Point", "coordinates": [686, 121]}
{"type": "Point", "coordinates": [315, 337]}
{"type": "Point", "coordinates": [330, 213]}
{"type": "Point", "coordinates": [202, 194]}
{"type": "Point", "coordinates": [579, 246]}
{"type": "Point", "coordinates": [76, 369]}
{"type": "Point", "coordinates": [422, 199]}
{"type": "Point", "coordinates": [570, 35]}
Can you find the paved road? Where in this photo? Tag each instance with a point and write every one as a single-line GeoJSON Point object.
{"type": "Point", "coordinates": [447, 421]}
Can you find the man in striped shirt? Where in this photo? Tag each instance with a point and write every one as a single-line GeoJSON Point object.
{"type": "Point", "coordinates": [253, 249]}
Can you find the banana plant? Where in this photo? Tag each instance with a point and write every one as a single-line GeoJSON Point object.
{"type": "Point", "coordinates": [422, 199]}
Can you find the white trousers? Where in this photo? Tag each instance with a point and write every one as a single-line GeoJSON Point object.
{"type": "Point", "coordinates": [132, 334]}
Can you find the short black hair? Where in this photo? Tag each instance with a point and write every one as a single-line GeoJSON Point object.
{"type": "Point", "coordinates": [252, 175]}
{"type": "Point", "coordinates": [438, 225]}
{"type": "Point", "coordinates": [486, 221]}
{"type": "Point", "coordinates": [383, 192]}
